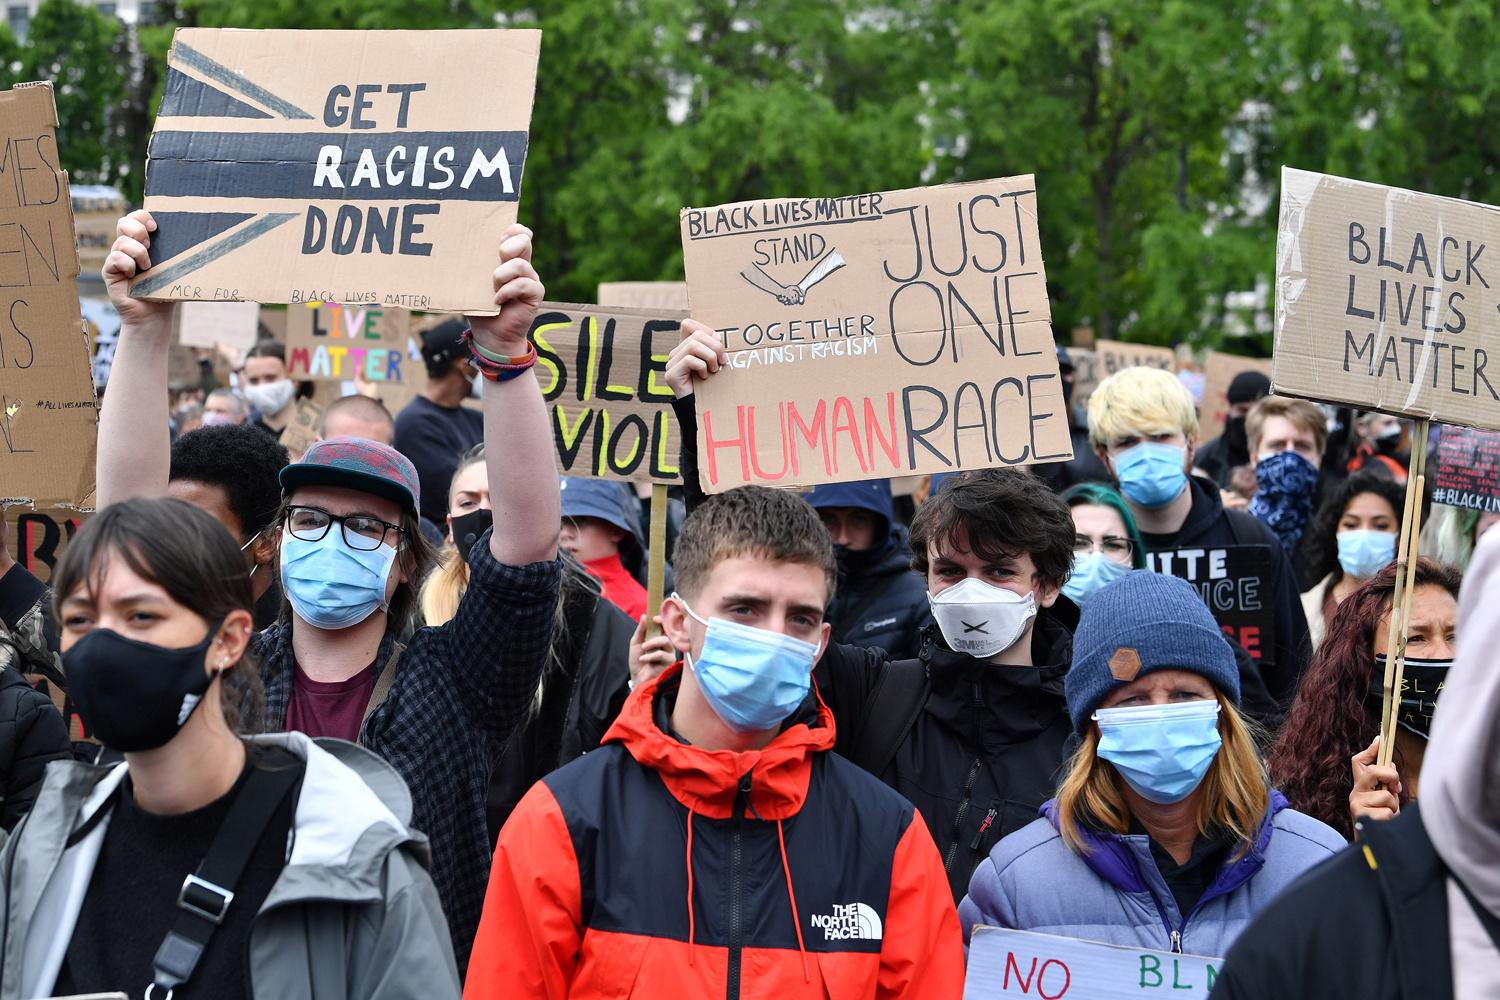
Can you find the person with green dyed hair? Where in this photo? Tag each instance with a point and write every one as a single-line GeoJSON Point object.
{"type": "Point", "coordinates": [1106, 543]}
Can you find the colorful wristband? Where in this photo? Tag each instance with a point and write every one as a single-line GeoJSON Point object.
{"type": "Point", "coordinates": [498, 367]}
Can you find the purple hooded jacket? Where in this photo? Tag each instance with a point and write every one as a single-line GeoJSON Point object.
{"type": "Point", "coordinates": [1032, 881]}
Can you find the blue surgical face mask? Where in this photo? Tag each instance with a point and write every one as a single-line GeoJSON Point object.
{"type": "Point", "coordinates": [1364, 553]}
{"type": "Point", "coordinates": [753, 679]}
{"type": "Point", "coordinates": [1091, 572]}
{"type": "Point", "coordinates": [1152, 474]}
{"type": "Point", "coordinates": [331, 585]}
{"type": "Point", "coordinates": [1162, 751]}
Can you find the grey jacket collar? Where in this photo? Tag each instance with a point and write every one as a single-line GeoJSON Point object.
{"type": "Point", "coordinates": [351, 812]}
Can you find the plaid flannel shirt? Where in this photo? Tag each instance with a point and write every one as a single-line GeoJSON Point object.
{"type": "Point", "coordinates": [460, 689]}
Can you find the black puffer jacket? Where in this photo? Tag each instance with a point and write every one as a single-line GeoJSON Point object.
{"type": "Point", "coordinates": [32, 735]}
{"type": "Point", "coordinates": [986, 749]}
{"type": "Point", "coordinates": [879, 600]}
{"type": "Point", "coordinates": [1369, 924]}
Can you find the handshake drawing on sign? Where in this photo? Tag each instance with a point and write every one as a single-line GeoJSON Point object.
{"type": "Point", "coordinates": [794, 295]}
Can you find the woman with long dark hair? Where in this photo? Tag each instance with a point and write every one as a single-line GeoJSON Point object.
{"type": "Point", "coordinates": [1352, 537]}
{"type": "Point", "coordinates": [204, 864]}
{"type": "Point", "coordinates": [1329, 731]}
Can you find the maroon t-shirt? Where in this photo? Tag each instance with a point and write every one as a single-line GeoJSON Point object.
{"type": "Point", "coordinates": [329, 708]}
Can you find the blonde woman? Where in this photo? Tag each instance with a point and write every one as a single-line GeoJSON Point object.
{"type": "Point", "coordinates": [1165, 832]}
{"type": "Point", "coordinates": [588, 672]}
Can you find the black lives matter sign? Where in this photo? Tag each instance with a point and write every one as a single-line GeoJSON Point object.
{"type": "Point", "coordinates": [1388, 299]}
{"type": "Point", "coordinates": [1235, 582]}
{"type": "Point", "coordinates": [1467, 469]}
{"type": "Point", "coordinates": [373, 168]}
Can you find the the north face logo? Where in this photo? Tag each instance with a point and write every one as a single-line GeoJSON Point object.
{"type": "Point", "coordinates": [850, 922]}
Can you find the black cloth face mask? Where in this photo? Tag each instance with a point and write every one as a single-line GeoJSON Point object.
{"type": "Point", "coordinates": [134, 696]}
{"type": "Point", "coordinates": [1421, 684]}
{"type": "Point", "coordinates": [469, 528]}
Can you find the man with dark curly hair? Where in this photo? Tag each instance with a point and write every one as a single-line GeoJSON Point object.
{"type": "Point", "coordinates": [230, 472]}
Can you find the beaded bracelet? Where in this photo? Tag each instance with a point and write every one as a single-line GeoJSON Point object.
{"type": "Point", "coordinates": [498, 367]}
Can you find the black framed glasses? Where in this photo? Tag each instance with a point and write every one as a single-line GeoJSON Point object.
{"type": "Point", "coordinates": [1113, 546]}
{"type": "Point", "coordinates": [361, 531]}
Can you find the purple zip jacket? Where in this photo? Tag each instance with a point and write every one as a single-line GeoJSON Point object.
{"type": "Point", "coordinates": [1032, 881]}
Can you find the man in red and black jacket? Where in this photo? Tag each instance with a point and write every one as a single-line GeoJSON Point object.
{"type": "Point", "coordinates": [712, 846]}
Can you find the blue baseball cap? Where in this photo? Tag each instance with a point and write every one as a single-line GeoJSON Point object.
{"type": "Point", "coordinates": [602, 498]}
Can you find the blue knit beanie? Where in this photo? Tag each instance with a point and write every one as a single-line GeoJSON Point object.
{"type": "Point", "coordinates": [1144, 621]}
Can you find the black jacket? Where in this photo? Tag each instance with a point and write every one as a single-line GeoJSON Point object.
{"type": "Point", "coordinates": [32, 735]}
{"type": "Point", "coordinates": [880, 601]}
{"type": "Point", "coordinates": [586, 683]}
{"type": "Point", "coordinates": [1218, 460]}
{"type": "Point", "coordinates": [983, 754]}
{"type": "Point", "coordinates": [1209, 525]}
{"type": "Point", "coordinates": [1370, 924]}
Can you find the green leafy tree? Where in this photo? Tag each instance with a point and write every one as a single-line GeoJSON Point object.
{"type": "Point", "coordinates": [1123, 112]}
{"type": "Point", "coordinates": [85, 54]}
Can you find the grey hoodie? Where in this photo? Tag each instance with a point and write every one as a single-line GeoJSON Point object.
{"type": "Point", "coordinates": [349, 845]}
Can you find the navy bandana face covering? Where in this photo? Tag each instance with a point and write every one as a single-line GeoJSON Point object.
{"type": "Point", "coordinates": [1284, 499]}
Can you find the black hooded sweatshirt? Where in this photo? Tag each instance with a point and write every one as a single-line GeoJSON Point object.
{"type": "Point", "coordinates": [1209, 525]}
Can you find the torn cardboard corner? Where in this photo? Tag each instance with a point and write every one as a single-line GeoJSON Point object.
{"type": "Point", "coordinates": [877, 335]}
{"type": "Point", "coordinates": [48, 413]}
{"type": "Point", "coordinates": [644, 294]}
{"type": "Point", "coordinates": [374, 168]}
{"type": "Point", "coordinates": [603, 374]}
{"type": "Point", "coordinates": [332, 343]}
{"type": "Point", "coordinates": [1388, 299]}
{"type": "Point", "coordinates": [1219, 370]}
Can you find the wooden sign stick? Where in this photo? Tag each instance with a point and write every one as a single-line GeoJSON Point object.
{"type": "Point", "coordinates": [1406, 572]}
{"type": "Point", "coordinates": [656, 570]}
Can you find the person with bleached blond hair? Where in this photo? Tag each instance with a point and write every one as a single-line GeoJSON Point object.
{"type": "Point", "coordinates": [1143, 424]}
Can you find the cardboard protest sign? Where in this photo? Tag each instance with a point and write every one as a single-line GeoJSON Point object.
{"type": "Point", "coordinates": [1467, 469]}
{"type": "Point", "coordinates": [37, 538]}
{"type": "Point", "coordinates": [301, 432]}
{"type": "Point", "coordinates": [877, 335]}
{"type": "Point", "coordinates": [1086, 376]}
{"type": "Point", "coordinates": [48, 412]}
{"type": "Point", "coordinates": [102, 326]}
{"type": "Point", "coordinates": [208, 324]}
{"type": "Point", "coordinates": [1115, 355]}
{"type": "Point", "coordinates": [671, 295]}
{"type": "Point", "coordinates": [1008, 963]}
{"type": "Point", "coordinates": [333, 343]}
{"type": "Point", "coordinates": [1237, 583]}
{"type": "Point", "coordinates": [1387, 299]}
{"type": "Point", "coordinates": [96, 209]}
{"type": "Point", "coordinates": [363, 167]}
{"type": "Point", "coordinates": [1219, 370]}
{"type": "Point", "coordinates": [601, 372]}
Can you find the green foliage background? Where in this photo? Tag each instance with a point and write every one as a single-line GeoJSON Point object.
{"type": "Point", "coordinates": [1156, 128]}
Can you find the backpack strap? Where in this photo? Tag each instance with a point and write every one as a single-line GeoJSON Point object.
{"type": "Point", "coordinates": [383, 682]}
{"type": "Point", "coordinates": [889, 713]}
{"type": "Point", "coordinates": [1246, 529]}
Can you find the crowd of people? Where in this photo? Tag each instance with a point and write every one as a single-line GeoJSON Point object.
{"type": "Point", "coordinates": [395, 719]}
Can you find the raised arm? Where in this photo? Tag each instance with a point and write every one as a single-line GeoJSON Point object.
{"type": "Point", "coordinates": [518, 447]}
{"type": "Point", "coordinates": [698, 356]}
{"type": "Point", "coordinates": [135, 447]}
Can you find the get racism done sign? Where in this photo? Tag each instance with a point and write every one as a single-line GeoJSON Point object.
{"type": "Point", "coordinates": [878, 335]}
{"type": "Point", "coordinates": [373, 168]}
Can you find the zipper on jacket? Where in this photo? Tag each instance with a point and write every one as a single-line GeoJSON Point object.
{"type": "Point", "coordinates": [958, 819]}
{"type": "Point", "coordinates": [737, 889]}
{"type": "Point", "coordinates": [1177, 942]}
{"type": "Point", "coordinates": [989, 819]}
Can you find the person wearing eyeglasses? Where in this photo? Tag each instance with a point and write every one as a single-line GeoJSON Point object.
{"type": "Point", "coordinates": [1106, 544]}
{"type": "Point", "coordinates": [351, 557]}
